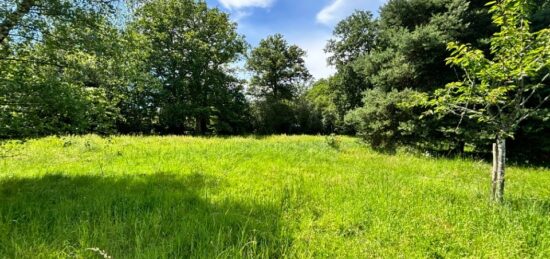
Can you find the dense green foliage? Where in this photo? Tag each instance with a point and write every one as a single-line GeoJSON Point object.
{"type": "Point", "coordinates": [172, 67]}
{"type": "Point", "coordinates": [409, 52]}
{"type": "Point", "coordinates": [354, 36]}
{"type": "Point", "coordinates": [55, 68]}
{"type": "Point", "coordinates": [278, 73]}
{"type": "Point", "coordinates": [80, 71]}
{"type": "Point", "coordinates": [278, 69]}
{"type": "Point", "coordinates": [403, 57]}
{"type": "Point", "coordinates": [191, 48]}
{"type": "Point", "coordinates": [271, 197]}
{"type": "Point", "coordinates": [503, 91]}
{"type": "Point", "coordinates": [384, 120]}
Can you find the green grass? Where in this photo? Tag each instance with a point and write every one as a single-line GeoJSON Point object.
{"type": "Point", "coordinates": [178, 197]}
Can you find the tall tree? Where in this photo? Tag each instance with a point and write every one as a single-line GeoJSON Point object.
{"type": "Point", "coordinates": [348, 86]}
{"type": "Point", "coordinates": [353, 37]}
{"type": "Point", "coordinates": [56, 68]}
{"type": "Point", "coordinates": [192, 47]}
{"type": "Point", "coordinates": [505, 89]}
{"type": "Point", "coordinates": [25, 20]}
{"type": "Point", "coordinates": [321, 98]}
{"type": "Point", "coordinates": [278, 68]}
{"type": "Point", "coordinates": [409, 52]}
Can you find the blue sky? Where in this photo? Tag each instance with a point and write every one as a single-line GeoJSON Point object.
{"type": "Point", "coordinates": [307, 23]}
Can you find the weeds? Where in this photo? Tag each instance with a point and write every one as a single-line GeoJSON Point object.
{"type": "Point", "coordinates": [333, 141]}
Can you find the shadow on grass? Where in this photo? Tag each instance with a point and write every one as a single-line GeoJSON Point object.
{"type": "Point", "coordinates": [146, 216]}
{"type": "Point", "coordinates": [538, 206]}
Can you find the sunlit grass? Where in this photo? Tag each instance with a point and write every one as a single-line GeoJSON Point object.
{"type": "Point", "coordinates": [177, 197]}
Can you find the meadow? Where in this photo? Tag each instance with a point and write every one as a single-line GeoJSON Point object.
{"type": "Point", "coordinates": [269, 197]}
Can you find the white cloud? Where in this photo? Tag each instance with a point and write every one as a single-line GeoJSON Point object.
{"type": "Point", "coordinates": [316, 59]}
{"type": "Point", "coordinates": [340, 9]}
{"type": "Point", "coordinates": [238, 15]}
{"type": "Point", "coordinates": [238, 4]}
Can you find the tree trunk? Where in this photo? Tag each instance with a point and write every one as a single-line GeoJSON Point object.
{"type": "Point", "coordinates": [200, 125]}
{"type": "Point", "coordinates": [458, 149]}
{"type": "Point", "coordinates": [204, 125]}
{"type": "Point", "coordinates": [498, 173]}
{"type": "Point", "coordinates": [494, 172]}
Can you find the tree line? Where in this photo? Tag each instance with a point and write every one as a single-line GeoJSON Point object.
{"type": "Point", "coordinates": [393, 71]}
{"type": "Point", "coordinates": [172, 67]}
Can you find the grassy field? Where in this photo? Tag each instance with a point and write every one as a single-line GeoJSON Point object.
{"type": "Point", "coordinates": [178, 197]}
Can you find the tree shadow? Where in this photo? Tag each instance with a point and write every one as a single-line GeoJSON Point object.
{"type": "Point", "coordinates": [533, 205]}
{"type": "Point", "coordinates": [145, 216]}
{"type": "Point", "coordinates": [391, 151]}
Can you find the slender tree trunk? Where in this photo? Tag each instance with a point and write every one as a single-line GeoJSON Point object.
{"type": "Point", "coordinates": [204, 125]}
{"type": "Point", "coordinates": [200, 125]}
{"type": "Point", "coordinates": [460, 147]}
{"type": "Point", "coordinates": [494, 172]}
{"type": "Point", "coordinates": [499, 163]}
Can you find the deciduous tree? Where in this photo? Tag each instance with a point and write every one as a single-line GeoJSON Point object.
{"type": "Point", "coordinates": [192, 49]}
{"type": "Point", "coordinates": [278, 69]}
{"type": "Point", "coordinates": [504, 89]}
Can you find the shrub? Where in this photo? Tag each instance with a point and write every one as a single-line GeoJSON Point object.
{"type": "Point", "coordinates": [384, 119]}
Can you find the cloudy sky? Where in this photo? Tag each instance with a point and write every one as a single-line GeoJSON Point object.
{"type": "Point", "coordinates": [307, 23]}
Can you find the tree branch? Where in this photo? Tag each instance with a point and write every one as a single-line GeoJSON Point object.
{"type": "Point", "coordinates": [14, 18]}
{"type": "Point", "coordinates": [33, 61]}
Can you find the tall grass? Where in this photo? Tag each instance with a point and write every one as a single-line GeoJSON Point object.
{"type": "Point", "coordinates": [178, 197]}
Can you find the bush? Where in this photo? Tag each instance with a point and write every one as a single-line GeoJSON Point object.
{"type": "Point", "coordinates": [384, 120]}
{"type": "Point", "coordinates": [333, 141]}
{"type": "Point", "coordinates": [272, 116]}
{"type": "Point", "coordinates": [49, 106]}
